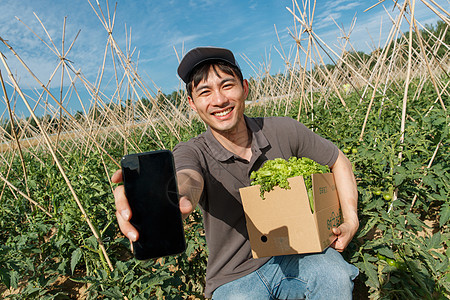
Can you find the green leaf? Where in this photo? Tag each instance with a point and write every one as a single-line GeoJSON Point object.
{"type": "Point", "coordinates": [386, 252]}
{"type": "Point", "coordinates": [435, 241]}
{"type": "Point", "coordinates": [4, 275]}
{"type": "Point", "coordinates": [370, 271]}
{"type": "Point", "coordinates": [30, 289]}
{"type": "Point", "coordinates": [14, 279]}
{"type": "Point", "coordinates": [32, 184]}
{"type": "Point", "coordinates": [190, 248]}
{"type": "Point", "coordinates": [398, 178]}
{"type": "Point", "coordinates": [76, 255]}
{"type": "Point", "coordinates": [91, 242]}
{"type": "Point", "coordinates": [414, 221]}
{"type": "Point", "coordinates": [369, 225]}
{"type": "Point", "coordinates": [62, 266]}
{"type": "Point", "coordinates": [438, 121]}
{"type": "Point", "coordinates": [121, 266]}
{"type": "Point", "coordinates": [444, 215]}
{"type": "Point", "coordinates": [114, 293]}
{"type": "Point", "coordinates": [429, 180]}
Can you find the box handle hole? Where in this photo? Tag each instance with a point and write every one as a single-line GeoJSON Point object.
{"type": "Point", "coordinates": [264, 238]}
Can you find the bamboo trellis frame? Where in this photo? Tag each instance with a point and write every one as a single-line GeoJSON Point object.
{"type": "Point", "coordinates": [114, 126]}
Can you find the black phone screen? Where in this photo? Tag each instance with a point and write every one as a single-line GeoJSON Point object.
{"type": "Point", "coordinates": [151, 189]}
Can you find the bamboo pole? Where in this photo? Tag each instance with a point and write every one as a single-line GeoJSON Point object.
{"type": "Point", "coordinates": [13, 130]}
{"type": "Point", "coordinates": [385, 50]}
{"type": "Point", "coordinates": [51, 95]}
{"type": "Point", "coordinates": [428, 167]}
{"type": "Point", "coordinates": [9, 164]}
{"type": "Point", "coordinates": [444, 18]}
{"type": "Point", "coordinates": [24, 195]}
{"type": "Point", "coordinates": [63, 59]}
{"type": "Point", "coordinates": [424, 57]}
{"type": "Point", "coordinates": [56, 160]}
{"type": "Point", "coordinates": [376, 4]}
{"type": "Point", "coordinates": [61, 82]}
{"type": "Point", "coordinates": [408, 76]}
{"type": "Point", "coordinates": [132, 75]}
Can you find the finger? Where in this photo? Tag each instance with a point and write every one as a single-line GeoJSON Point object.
{"type": "Point", "coordinates": [117, 176]}
{"type": "Point", "coordinates": [130, 232]}
{"type": "Point", "coordinates": [337, 245]}
{"type": "Point", "coordinates": [122, 205]}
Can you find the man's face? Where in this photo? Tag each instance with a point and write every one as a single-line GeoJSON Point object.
{"type": "Point", "coordinates": [219, 101]}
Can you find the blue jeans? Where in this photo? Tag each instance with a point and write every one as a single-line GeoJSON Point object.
{"type": "Point", "coordinates": [323, 275]}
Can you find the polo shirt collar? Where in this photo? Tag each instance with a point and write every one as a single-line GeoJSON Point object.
{"type": "Point", "coordinates": [259, 141]}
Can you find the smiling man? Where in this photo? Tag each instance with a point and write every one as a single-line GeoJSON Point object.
{"type": "Point", "coordinates": [214, 165]}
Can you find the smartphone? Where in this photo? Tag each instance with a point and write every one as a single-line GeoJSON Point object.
{"type": "Point", "coordinates": [151, 189]}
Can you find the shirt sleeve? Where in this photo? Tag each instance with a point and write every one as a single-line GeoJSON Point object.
{"type": "Point", "coordinates": [186, 157]}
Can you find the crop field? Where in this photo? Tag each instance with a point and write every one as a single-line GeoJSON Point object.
{"type": "Point", "coordinates": [387, 110]}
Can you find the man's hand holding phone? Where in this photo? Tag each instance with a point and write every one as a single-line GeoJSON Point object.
{"type": "Point", "coordinates": [149, 207]}
{"type": "Point", "coordinates": [123, 210]}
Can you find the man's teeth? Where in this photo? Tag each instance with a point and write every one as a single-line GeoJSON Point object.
{"type": "Point", "coordinates": [223, 113]}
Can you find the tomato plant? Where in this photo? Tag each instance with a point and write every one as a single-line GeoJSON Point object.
{"type": "Point", "coordinates": [392, 226]}
{"type": "Point", "coordinates": [401, 248]}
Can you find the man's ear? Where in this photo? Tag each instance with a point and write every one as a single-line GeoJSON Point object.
{"type": "Point", "coordinates": [192, 104]}
{"type": "Point", "coordinates": [246, 88]}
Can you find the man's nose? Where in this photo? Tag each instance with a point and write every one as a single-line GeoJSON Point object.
{"type": "Point", "coordinates": [220, 98]}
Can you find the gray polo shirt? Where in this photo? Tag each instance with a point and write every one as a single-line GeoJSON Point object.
{"type": "Point", "coordinates": [224, 173]}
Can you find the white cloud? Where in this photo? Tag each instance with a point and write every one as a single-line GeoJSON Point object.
{"type": "Point", "coordinates": [200, 3]}
{"type": "Point", "coordinates": [178, 40]}
{"type": "Point", "coordinates": [327, 21]}
{"type": "Point", "coordinates": [340, 5]}
{"type": "Point", "coordinates": [253, 5]}
{"type": "Point", "coordinates": [332, 10]}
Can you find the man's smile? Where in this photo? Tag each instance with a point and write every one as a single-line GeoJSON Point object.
{"type": "Point", "coordinates": [223, 113]}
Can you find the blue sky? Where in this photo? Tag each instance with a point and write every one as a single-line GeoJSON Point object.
{"type": "Point", "coordinates": [159, 27]}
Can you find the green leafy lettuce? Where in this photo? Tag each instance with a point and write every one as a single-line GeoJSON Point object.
{"type": "Point", "coordinates": [276, 172]}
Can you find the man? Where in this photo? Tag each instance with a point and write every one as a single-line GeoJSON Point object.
{"type": "Point", "coordinates": [213, 166]}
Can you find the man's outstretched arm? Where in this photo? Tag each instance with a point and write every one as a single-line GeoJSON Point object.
{"type": "Point", "coordinates": [348, 197]}
{"type": "Point", "coordinates": [190, 188]}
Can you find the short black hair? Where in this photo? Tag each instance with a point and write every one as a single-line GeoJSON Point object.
{"type": "Point", "coordinates": [201, 72]}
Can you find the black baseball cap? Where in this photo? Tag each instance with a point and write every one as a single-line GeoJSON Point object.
{"type": "Point", "coordinates": [199, 55]}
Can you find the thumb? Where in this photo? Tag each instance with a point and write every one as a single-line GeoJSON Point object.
{"type": "Point", "coordinates": [336, 231]}
{"type": "Point", "coordinates": [185, 205]}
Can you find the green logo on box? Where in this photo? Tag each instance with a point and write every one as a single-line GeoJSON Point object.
{"type": "Point", "coordinates": [334, 220]}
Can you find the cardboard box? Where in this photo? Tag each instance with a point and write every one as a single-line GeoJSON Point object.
{"type": "Point", "coordinates": [283, 223]}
